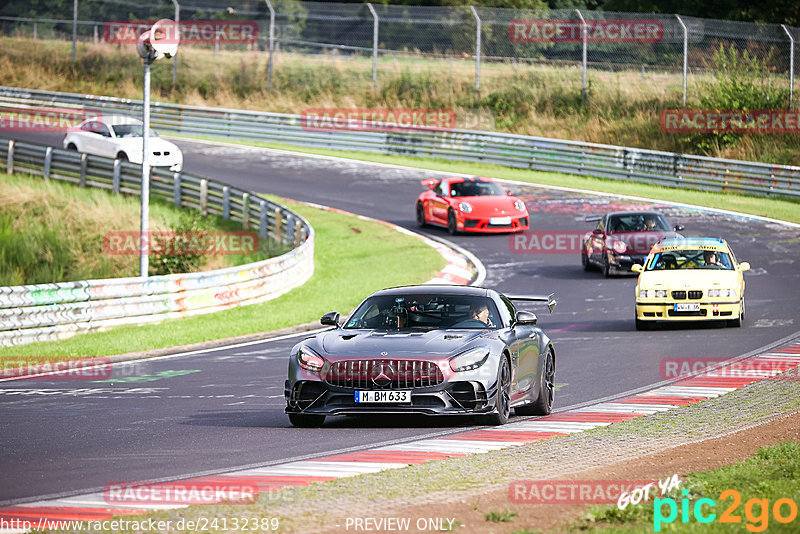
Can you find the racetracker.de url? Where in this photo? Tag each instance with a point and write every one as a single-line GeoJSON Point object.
{"type": "Point", "coordinates": [201, 524]}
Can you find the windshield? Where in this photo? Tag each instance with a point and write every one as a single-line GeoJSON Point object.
{"type": "Point", "coordinates": [638, 222]}
{"type": "Point", "coordinates": [425, 312]}
{"type": "Point", "coordinates": [131, 130]}
{"type": "Point", "coordinates": [689, 259]}
{"type": "Point", "coordinates": [475, 189]}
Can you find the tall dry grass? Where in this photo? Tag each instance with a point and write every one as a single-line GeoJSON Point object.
{"type": "Point", "coordinates": [622, 107]}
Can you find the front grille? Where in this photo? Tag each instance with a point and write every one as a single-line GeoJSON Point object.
{"type": "Point", "coordinates": [523, 221]}
{"type": "Point", "coordinates": [695, 295]}
{"type": "Point", "coordinates": [471, 223]}
{"type": "Point", "coordinates": [698, 313]}
{"type": "Point", "coordinates": [679, 295]}
{"type": "Point", "coordinates": [384, 374]}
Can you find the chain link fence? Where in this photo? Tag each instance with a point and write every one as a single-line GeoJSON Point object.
{"type": "Point", "coordinates": [382, 36]}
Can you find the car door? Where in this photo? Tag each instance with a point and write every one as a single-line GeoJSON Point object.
{"type": "Point", "coordinates": [597, 241]}
{"type": "Point", "coordinates": [523, 342]}
{"type": "Point", "coordinates": [439, 204]}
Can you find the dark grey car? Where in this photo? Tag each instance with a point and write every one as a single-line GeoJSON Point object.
{"type": "Point", "coordinates": [435, 350]}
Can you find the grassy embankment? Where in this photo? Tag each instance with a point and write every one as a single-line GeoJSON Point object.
{"type": "Point", "coordinates": [541, 100]}
{"type": "Point", "coordinates": [353, 257]}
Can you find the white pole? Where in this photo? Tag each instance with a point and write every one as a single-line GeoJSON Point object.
{"type": "Point", "coordinates": [144, 241]}
{"type": "Point", "coordinates": [74, 30]}
{"type": "Point", "coordinates": [271, 43]}
{"type": "Point", "coordinates": [791, 64]}
{"type": "Point", "coordinates": [374, 45]}
{"type": "Point", "coordinates": [585, 39]}
{"type": "Point", "coordinates": [685, 55]}
{"type": "Point", "coordinates": [477, 48]}
{"type": "Point", "coordinates": [177, 28]}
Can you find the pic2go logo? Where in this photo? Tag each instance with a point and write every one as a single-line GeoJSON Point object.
{"type": "Point", "coordinates": [756, 511]}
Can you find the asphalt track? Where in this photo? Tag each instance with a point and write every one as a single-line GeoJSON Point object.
{"type": "Point", "coordinates": [219, 410]}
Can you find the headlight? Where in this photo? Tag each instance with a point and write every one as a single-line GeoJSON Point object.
{"type": "Point", "coordinates": [723, 293]}
{"type": "Point", "coordinates": [469, 360]}
{"type": "Point", "coordinates": [466, 207]}
{"type": "Point", "coordinates": [619, 246]}
{"type": "Point", "coordinates": [653, 294]}
{"type": "Point", "coordinates": [519, 205]}
{"type": "Point", "coordinates": [309, 360]}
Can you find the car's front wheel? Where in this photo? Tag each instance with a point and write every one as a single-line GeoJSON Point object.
{"type": "Point", "coordinates": [543, 404]}
{"type": "Point", "coordinates": [122, 156]}
{"type": "Point", "coordinates": [606, 267]}
{"type": "Point", "coordinates": [739, 320]}
{"type": "Point", "coordinates": [585, 261]}
{"type": "Point", "coordinates": [502, 401]}
{"type": "Point", "coordinates": [72, 146]}
{"type": "Point", "coordinates": [642, 325]}
{"type": "Point", "coordinates": [420, 214]}
{"type": "Point", "coordinates": [304, 420]}
{"type": "Point", "coordinates": [452, 226]}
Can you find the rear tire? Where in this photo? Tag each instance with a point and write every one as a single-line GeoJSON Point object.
{"type": "Point", "coordinates": [72, 146]}
{"type": "Point", "coordinates": [543, 405]}
{"type": "Point", "coordinates": [303, 420]}
{"type": "Point", "coordinates": [452, 226]}
{"type": "Point", "coordinates": [421, 215]}
{"type": "Point", "coordinates": [502, 401]}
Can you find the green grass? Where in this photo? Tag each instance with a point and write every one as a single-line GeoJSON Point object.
{"type": "Point", "coordinates": [53, 231]}
{"type": "Point", "coordinates": [776, 208]}
{"type": "Point", "coordinates": [353, 258]}
{"type": "Point", "coordinates": [504, 516]}
{"type": "Point", "coordinates": [772, 473]}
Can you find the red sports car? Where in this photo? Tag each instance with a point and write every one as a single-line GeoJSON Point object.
{"type": "Point", "coordinates": [470, 205]}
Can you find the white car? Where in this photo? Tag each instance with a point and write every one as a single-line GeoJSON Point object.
{"type": "Point", "coordinates": [120, 137]}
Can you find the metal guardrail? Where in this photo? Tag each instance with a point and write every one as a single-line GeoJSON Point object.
{"type": "Point", "coordinates": [47, 312]}
{"type": "Point", "coordinates": [527, 152]}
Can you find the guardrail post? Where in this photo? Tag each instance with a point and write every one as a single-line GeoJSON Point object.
{"type": "Point", "coordinates": [278, 225]}
{"type": "Point", "coordinates": [84, 161]}
{"type": "Point", "coordinates": [176, 189]}
{"type": "Point", "coordinates": [791, 64]}
{"type": "Point", "coordinates": [226, 202]}
{"type": "Point", "coordinates": [48, 160]}
{"type": "Point", "coordinates": [94, 34]}
{"type": "Point", "coordinates": [115, 184]}
{"type": "Point", "coordinates": [10, 160]}
{"type": "Point", "coordinates": [585, 39]}
{"type": "Point", "coordinates": [204, 197]}
{"type": "Point", "coordinates": [262, 221]}
{"type": "Point", "coordinates": [35, 31]}
{"type": "Point", "coordinates": [298, 233]}
{"type": "Point", "coordinates": [477, 48]}
{"type": "Point", "coordinates": [246, 211]}
{"type": "Point", "coordinates": [271, 43]}
{"type": "Point", "coordinates": [374, 45]}
{"type": "Point", "coordinates": [685, 55]}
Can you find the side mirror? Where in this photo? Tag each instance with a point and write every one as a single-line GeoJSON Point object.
{"type": "Point", "coordinates": [330, 319]}
{"type": "Point", "coordinates": [509, 193]}
{"type": "Point", "coordinates": [679, 227]}
{"type": "Point", "coordinates": [637, 268]}
{"type": "Point", "coordinates": [744, 266]}
{"type": "Point", "coordinates": [525, 317]}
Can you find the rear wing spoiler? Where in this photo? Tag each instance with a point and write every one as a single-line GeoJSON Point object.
{"type": "Point", "coordinates": [549, 299]}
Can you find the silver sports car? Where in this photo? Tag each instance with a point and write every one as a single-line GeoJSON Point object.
{"type": "Point", "coordinates": [435, 350]}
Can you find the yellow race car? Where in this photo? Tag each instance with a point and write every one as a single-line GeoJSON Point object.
{"type": "Point", "coordinates": [690, 279]}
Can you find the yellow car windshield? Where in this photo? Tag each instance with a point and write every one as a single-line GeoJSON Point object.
{"type": "Point", "coordinates": [672, 260]}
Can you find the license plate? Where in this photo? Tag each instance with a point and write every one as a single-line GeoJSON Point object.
{"type": "Point", "coordinates": [687, 306]}
{"type": "Point", "coordinates": [500, 220]}
{"type": "Point", "coordinates": [389, 397]}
